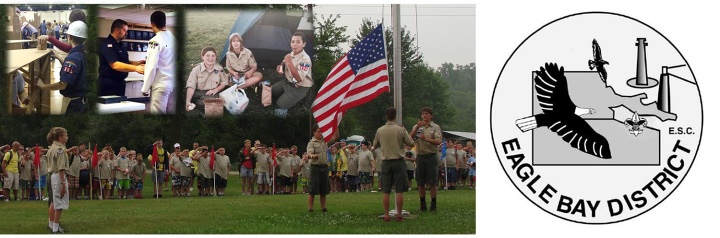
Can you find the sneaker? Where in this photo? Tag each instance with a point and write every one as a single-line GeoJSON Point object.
{"type": "Point", "coordinates": [60, 230]}
{"type": "Point", "coordinates": [423, 206]}
{"type": "Point", "coordinates": [399, 218]}
{"type": "Point", "coordinates": [7, 200]}
{"type": "Point", "coordinates": [386, 219]}
{"type": "Point", "coordinates": [324, 210]}
{"type": "Point", "coordinates": [191, 189]}
{"type": "Point", "coordinates": [310, 210]}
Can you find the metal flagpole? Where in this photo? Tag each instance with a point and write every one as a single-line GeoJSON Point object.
{"type": "Point", "coordinates": [397, 71]}
{"type": "Point", "coordinates": [213, 174]}
{"type": "Point", "coordinates": [446, 174]}
{"type": "Point", "coordinates": [157, 194]}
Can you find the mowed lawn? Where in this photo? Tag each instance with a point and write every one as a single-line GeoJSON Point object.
{"type": "Point", "coordinates": [205, 28]}
{"type": "Point", "coordinates": [349, 213]}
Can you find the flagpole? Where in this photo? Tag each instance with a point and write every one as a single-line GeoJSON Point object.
{"type": "Point", "coordinates": [157, 194]}
{"type": "Point", "coordinates": [446, 175]}
{"type": "Point", "coordinates": [397, 71]}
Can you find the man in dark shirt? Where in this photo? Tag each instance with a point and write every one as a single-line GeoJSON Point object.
{"type": "Point", "coordinates": [114, 61]}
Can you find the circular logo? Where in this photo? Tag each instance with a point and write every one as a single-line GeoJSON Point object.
{"type": "Point", "coordinates": [596, 118]}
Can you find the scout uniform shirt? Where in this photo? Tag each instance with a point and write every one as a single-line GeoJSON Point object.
{"type": "Point", "coordinates": [204, 167]}
{"type": "Point", "coordinates": [451, 157]}
{"type": "Point", "coordinates": [186, 171]}
{"type": "Point", "coordinates": [242, 62]}
{"type": "Point", "coordinates": [202, 78]}
{"type": "Point", "coordinates": [42, 171]}
{"type": "Point", "coordinates": [392, 138]}
{"type": "Point", "coordinates": [410, 164]}
{"type": "Point", "coordinates": [139, 170]}
{"type": "Point", "coordinates": [111, 81]}
{"type": "Point", "coordinates": [285, 165]}
{"type": "Point", "coordinates": [74, 166]}
{"type": "Point", "coordinates": [122, 163]}
{"type": "Point", "coordinates": [431, 131]}
{"type": "Point", "coordinates": [176, 163]}
{"type": "Point", "coordinates": [365, 161]}
{"type": "Point", "coordinates": [105, 170]}
{"type": "Point", "coordinates": [58, 158]}
{"type": "Point", "coordinates": [461, 159]}
{"type": "Point", "coordinates": [305, 170]}
{"type": "Point", "coordinates": [73, 73]}
{"type": "Point", "coordinates": [263, 163]}
{"type": "Point", "coordinates": [304, 67]}
{"type": "Point", "coordinates": [27, 170]}
{"type": "Point", "coordinates": [318, 147]}
{"type": "Point", "coordinates": [353, 164]}
{"type": "Point", "coordinates": [160, 63]}
{"type": "Point", "coordinates": [221, 165]}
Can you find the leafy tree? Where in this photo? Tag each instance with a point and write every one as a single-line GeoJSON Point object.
{"type": "Point", "coordinates": [461, 81]}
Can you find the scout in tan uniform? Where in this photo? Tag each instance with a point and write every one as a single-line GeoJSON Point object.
{"type": "Point", "coordinates": [241, 63]}
{"type": "Point", "coordinates": [319, 182]}
{"type": "Point", "coordinates": [297, 68]}
{"type": "Point", "coordinates": [222, 170]}
{"type": "Point", "coordinates": [58, 165]}
{"type": "Point", "coordinates": [428, 136]}
{"type": "Point", "coordinates": [391, 138]}
{"type": "Point", "coordinates": [206, 80]}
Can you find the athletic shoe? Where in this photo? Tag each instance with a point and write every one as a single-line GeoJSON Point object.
{"type": "Point", "coordinates": [386, 219]}
{"type": "Point", "coordinates": [399, 218]}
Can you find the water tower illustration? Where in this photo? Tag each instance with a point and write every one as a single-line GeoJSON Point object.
{"type": "Point", "coordinates": [641, 80]}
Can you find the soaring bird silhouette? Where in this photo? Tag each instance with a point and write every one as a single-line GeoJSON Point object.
{"type": "Point", "coordinates": [597, 61]}
{"type": "Point", "coordinates": [561, 115]}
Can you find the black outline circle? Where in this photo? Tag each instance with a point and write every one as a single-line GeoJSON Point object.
{"type": "Point", "coordinates": [492, 102]}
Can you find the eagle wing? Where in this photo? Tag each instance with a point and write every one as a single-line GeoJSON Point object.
{"type": "Point", "coordinates": [580, 135]}
{"type": "Point", "coordinates": [559, 113]}
{"type": "Point", "coordinates": [551, 88]}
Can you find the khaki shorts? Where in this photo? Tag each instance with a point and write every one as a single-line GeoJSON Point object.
{"type": "Point", "coordinates": [60, 203]}
{"type": "Point", "coordinates": [12, 181]}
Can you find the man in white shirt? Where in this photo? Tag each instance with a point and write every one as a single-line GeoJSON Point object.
{"type": "Point", "coordinates": [160, 67]}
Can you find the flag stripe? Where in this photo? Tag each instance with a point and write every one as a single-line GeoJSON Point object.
{"type": "Point", "coordinates": [356, 78]}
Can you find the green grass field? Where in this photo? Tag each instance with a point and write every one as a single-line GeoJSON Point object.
{"type": "Point", "coordinates": [349, 213]}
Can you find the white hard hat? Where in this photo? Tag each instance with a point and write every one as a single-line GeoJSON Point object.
{"type": "Point", "coordinates": [77, 29]}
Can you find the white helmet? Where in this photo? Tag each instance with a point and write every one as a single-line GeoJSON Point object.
{"type": "Point", "coordinates": [77, 29]}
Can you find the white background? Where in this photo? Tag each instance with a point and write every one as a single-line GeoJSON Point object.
{"type": "Point", "coordinates": [692, 26]}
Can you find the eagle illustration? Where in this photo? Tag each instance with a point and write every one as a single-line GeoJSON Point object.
{"type": "Point", "coordinates": [561, 115]}
{"type": "Point", "coordinates": [597, 61]}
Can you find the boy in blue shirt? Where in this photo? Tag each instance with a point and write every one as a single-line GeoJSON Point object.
{"type": "Point", "coordinates": [73, 76]}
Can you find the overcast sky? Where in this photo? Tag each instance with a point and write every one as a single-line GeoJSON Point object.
{"type": "Point", "coordinates": [444, 33]}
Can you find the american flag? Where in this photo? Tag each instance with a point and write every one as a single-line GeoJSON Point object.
{"type": "Point", "coordinates": [358, 77]}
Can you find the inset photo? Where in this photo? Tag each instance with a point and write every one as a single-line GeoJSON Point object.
{"type": "Point", "coordinates": [137, 54]}
{"type": "Point", "coordinates": [46, 59]}
{"type": "Point", "coordinates": [248, 61]}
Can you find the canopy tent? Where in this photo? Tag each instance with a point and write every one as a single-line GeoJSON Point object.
{"type": "Point", "coordinates": [267, 34]}
{"type": "Point", "coordinates": [459, 135]}
{"type": "Point", "coordinates": [355, 140]}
